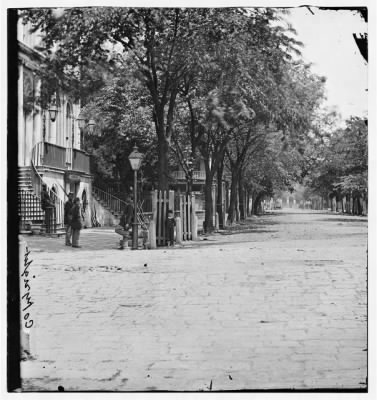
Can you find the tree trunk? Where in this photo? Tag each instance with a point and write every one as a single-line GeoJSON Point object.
{"type": "Point", "coordinates": [233, 197]}
{"type": "Point", "coordinates": [163, 170]}
{"type": "Point", "coordinates": [248, 203]}
{"type": "Point", "coordinates": [256, 203]}
{"type": "Point", "coordinates": [219, 205]}
{"type": "Point", "coordinates": [241, 197]}
{"type": "Point", "coordinates": [208, 220]}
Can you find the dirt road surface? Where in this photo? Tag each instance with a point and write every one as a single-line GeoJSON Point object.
{"type": "Point", "coordinates": [281, 306]}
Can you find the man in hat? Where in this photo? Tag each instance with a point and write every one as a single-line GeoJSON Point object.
{"type": "Point", "coordinates": [67, 219]}
{"type": "Point", "coordinates": [125, 224]}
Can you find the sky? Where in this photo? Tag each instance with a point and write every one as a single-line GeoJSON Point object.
{"type": "Point", "coordinates": [330, 46]}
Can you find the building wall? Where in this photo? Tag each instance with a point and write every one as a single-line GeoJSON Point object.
{"type": "Point", "coordinates": [35, 125]}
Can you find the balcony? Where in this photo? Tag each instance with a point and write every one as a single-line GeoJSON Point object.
{"type": "Point", "coordinates": [196, 175]}
{"type": "Point", "coordinates": [80, 161]}
{"type": "Point", "coordinates": [53, 156]}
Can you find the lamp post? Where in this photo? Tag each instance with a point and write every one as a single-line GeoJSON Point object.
{"type": "Point", "coordinates": [135, 159]}
{"type": "Point", "coordinates": [53, 112]}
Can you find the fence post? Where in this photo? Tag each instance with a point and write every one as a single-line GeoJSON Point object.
{"type": "Point", "coordinates": [154, 206]}
{"type": "Point", "coordinates": [171, 200]}
{"type": "Point", "coordinates": [152, 234]}
{"type": "Point", "coordinates": [189, 219]}
{"type": "Point", "coordinates": [194, 219]}
{"type": "Point", "coordinates": [179, 230]}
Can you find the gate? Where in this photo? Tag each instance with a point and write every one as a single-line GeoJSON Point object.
{"type": "Point", "coordinates": [182, 205]}
{"type": "Point", "coordinates": [185, 207]}
{"type": "Point", "coordinates": [161, 213]}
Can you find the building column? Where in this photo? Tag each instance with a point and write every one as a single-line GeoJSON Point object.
{"type": "Point", "coordinates": [37, 134]}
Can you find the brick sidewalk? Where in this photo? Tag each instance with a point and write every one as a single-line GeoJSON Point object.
{"type": "Point", "coordinates": [285, 311]}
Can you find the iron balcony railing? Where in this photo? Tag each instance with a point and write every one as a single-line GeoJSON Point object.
{"type": "Point", "coordinates": [196, 175]}
{"type": "Point", "coordinates": [50, 155]}
{"type": "Point", "coordinates": [80, 161]}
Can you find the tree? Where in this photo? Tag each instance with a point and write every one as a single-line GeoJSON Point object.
{"type": "Point", "coordinates": [123, 112]}
{"type": "Point", "coordinates": [165, 45]}
{"type": "Point", "coordinates": [340, 162]}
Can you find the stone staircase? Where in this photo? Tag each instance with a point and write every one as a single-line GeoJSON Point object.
{"type": "Point", "coordinates": [24, 179]}
{"type": "Point", "coordinates": [30, 212]}
{"type": "Point", "coordinates": [115, 206]}
{"type": "Point", "coordinates": [108, 202]}
{"type": "Point", "coordinates": [31, 215]}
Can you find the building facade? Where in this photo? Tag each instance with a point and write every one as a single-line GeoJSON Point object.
{"type": "Point", "coordinates": [49, 146]}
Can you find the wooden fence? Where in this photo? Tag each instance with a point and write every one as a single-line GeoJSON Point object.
{"type": "Point", "coordinates": [160, 207]}
{"type": "Point", "coordinates": [183, 207]}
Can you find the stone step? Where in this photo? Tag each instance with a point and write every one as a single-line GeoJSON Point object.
{"type": "Point", "coordinates": [26, 187]}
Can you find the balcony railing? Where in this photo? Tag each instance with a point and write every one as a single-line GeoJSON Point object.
{"type": "Point", "coordinates": [51, 155]}
{"type": "Point", "coordinates": [80, 161]}
{"type": "Point", "coordinates": [196, 175]}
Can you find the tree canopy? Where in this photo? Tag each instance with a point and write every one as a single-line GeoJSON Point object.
{"type": "Point", "coordinates": [184, 83]}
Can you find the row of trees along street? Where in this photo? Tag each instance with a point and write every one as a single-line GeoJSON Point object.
{"type": "Point", "coordinates": [225, 85]}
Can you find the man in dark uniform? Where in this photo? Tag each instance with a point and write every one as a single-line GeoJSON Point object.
{"type": "Point", "coordinates": [48, 207]}
{"type": "Point", "coordinates": [67, 219]}
{"type": "Point", "coordinates": [125, 224]}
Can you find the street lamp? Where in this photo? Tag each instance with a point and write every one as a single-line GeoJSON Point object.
{"type": "Point", "coordinates": [81, 120]}
{"type": "Point", "coordinates": [53, 112]}
{"type": "Point", "coordinates": [91, 124]}
{"type": "Point", "coordinates": [135, 159]}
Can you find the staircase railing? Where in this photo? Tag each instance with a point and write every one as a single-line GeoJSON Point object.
{"type": "Point", "coordinates": [37, 182]}
{"type": "Point", "coordinates": [117, 205]}
{"type": "Point", "coordinates": [114, 203]}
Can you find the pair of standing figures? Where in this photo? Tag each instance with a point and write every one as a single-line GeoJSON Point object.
{"type": "Point", "coordinates": [72, 221]}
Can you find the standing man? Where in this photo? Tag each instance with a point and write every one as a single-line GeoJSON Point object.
{"type": "Point", "coordinates": [68, 219]}
{"type": "Point", "coordinates": [47, 206]}
{"type": "Point", "coordinates": [125, 223]}
{"type": "Point", "coordinates": [76, 222]}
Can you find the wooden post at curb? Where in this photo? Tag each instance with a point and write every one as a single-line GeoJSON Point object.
{"type": "Point", "coordinates": [152, 235]}
{"type": "Point", "coordinates": [171, 200]}
{"type": "Point", "coordinates": [154, 207]}
{"type": "Point", "coordinates": [178, 225]}
{"type": "Point", "coordinates": [217, 221]}
{"type": "Point", "coordinates": [195, 227]}
{"type": "Point", "coordinates": [194, 219]}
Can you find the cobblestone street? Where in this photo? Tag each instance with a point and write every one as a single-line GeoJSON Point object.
{"type": "Point", "coordinates": [281, 306]}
